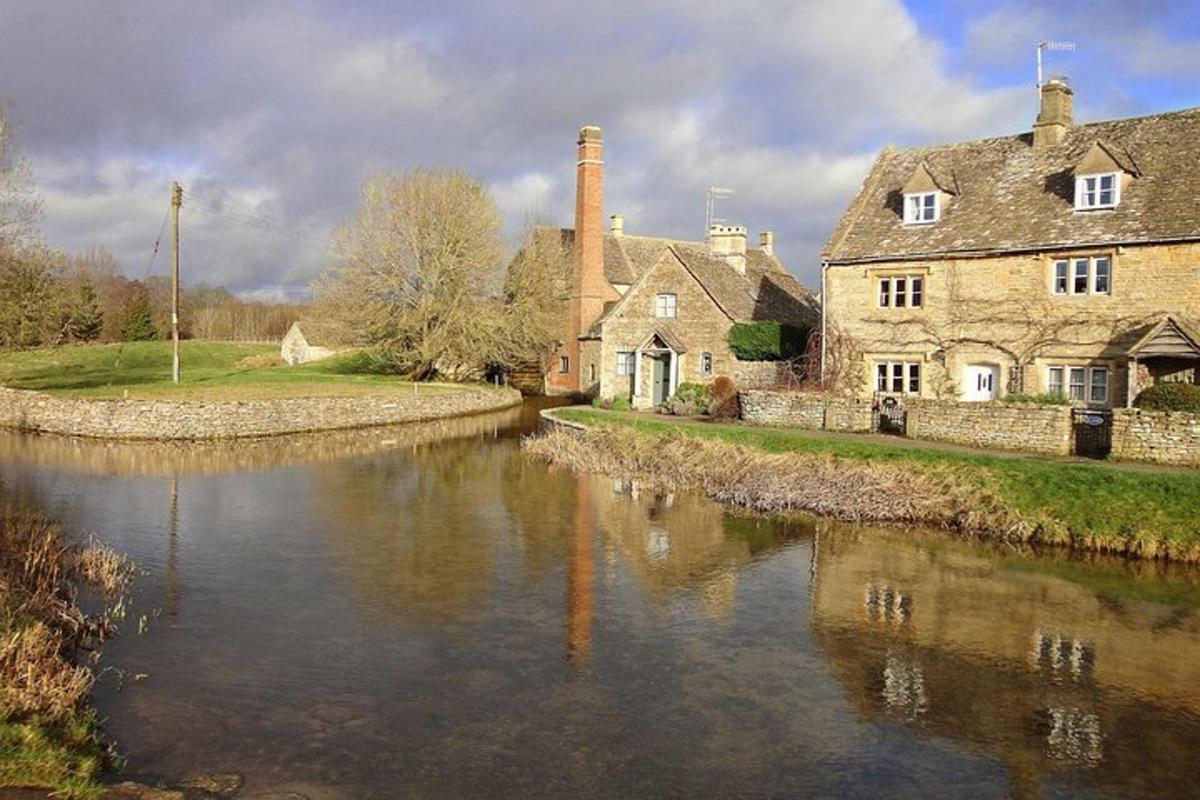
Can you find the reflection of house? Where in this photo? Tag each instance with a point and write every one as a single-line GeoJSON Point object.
{"type": "Point", "coordinates": [308, 341]}
{"type": "Point", "coordinates": [1066, 260]}
{"type": "Point", "coordinates": [648, 313]}
{"type": "Point", "coordinates": [1032, 669]}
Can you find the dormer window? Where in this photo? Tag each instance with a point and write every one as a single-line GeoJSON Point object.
{"type": "Point", "coordinates": [1097, 191]}
{"type": "Point", "coordinates": [920, 208]}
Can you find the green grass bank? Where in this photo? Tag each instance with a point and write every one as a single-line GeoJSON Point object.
{"type": "Point", "coordinates": [1099, 507]}
{"type": "Point", "coordinates": [210, 371]}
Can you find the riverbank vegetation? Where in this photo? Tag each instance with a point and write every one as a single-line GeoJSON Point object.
{"type": "Point", "coordinates": [1139, 512]}
{"type": "Point", "coordinates": [49, 736]}
{"type": "Point", "coordinates": [211, 370]}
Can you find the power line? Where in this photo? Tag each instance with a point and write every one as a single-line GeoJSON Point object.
{"type": "Point", "coordinates": [154, 254]}
{"type": "Point", "coordinates": [267, 225]}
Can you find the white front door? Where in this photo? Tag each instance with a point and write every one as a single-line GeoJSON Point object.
{"type": "Point", "coordinates": [981, 383]}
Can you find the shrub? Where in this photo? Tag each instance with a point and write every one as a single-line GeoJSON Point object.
{"type": "Point", "coordinates": [724, 396]}
{"type": "Point", "coordinates": [767, 341]}
{"type": "Point", "coordinates": [689, 400]}
{"type": "Point", "coordinates": [1170, 397]}
{"type": "Point", "coordinates": [1047, 399]}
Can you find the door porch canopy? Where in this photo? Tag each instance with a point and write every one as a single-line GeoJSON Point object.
{"type": "Point", "coordinates": [1167, 347]}
{"type": "Point", "coordinates": [661, 342]}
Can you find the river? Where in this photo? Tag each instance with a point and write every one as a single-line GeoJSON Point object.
{"type": "Point", "coordinates": [422, 612]}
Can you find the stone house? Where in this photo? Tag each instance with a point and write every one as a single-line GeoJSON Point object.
{"type": "Point", "coordinates": [645, 314]}
{"type": "Point", "coordinates": [1065, 260]}
{"type": "Point", "coordinates": [308, 341]}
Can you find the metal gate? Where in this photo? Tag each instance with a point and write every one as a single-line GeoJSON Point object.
{"type": "Point", "coordinates": [890, 416]}
{"type": "Point", "coordinates": [1091, 432]}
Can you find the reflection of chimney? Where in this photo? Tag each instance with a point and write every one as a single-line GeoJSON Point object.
{"type": "Point", "coordinates": [766, 242]}
{"type": "Point", "coordinates": [618, 225]}
{"type": "Point", "coordinates": [728, 242]}
{"type": "Point", "coordinates": [580, 578]}
{"type": "Point", "coordinates": [589, 290]}
{"type": "Point", "coordinates": [1056, 115]}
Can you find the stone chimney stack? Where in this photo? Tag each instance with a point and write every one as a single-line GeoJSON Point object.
{"type": "Point", "coordinates": [728, 242]}
{"type": "Point", "coordinates": [766, 242]}
{"type": "Point", "coordinates": [618, 225]}
{"type": "Point", "coordinates": [1056, 115]}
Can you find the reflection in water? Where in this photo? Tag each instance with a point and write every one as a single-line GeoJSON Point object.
{"type": "Point", "coordinates": [580, 579]}
{"type": "Point", "coordinates": [392, 610]}
{"type": "Point", "coordinates": [1097, 705]}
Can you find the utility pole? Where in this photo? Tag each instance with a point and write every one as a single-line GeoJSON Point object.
{"type": "Point", "coordinates": [176, 202]}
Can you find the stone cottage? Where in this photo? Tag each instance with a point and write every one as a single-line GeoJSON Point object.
{"type": "Point", "coordinates": [1064, 260]}
{"type": "Point", "coordinates": [644, 314]}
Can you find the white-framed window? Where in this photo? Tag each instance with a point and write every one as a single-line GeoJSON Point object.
{"type": "Point", "coordinates": [706, 364]}
{"type": "Point", "coordinates": [1082, 275]}
{"type": "Point", "coordinates": [1081, 385]}
{"type": "Point", "coordinates": [902, 291]}
{"type": "Point", "coordinates": [624, 362]}
{"type": "Point", "coordinates": [1054, 381]}
{"type": "Point", "coordinates": [1098, 386]}
{"type": "Point", "coordinates": [665, 306]}
{"type": "Point", "coordinates": [1097, 191]}
{"type": "Point", "coordinates": [564, 364]}
{"type": "Point", "coordinates": [1062, 276]}
{"type": "Point", "coordinates": [898, 377]}
{"type": "Point", "coordinates": [921, 208]}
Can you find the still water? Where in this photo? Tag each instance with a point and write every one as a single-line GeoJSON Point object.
{"type": "Point", "coordinates": [422, 612]}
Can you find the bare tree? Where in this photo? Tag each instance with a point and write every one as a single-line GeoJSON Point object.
{"type": "Point", "coordinates": [20, 207]}
{"type": "Point", "coordinates": [420, 277]}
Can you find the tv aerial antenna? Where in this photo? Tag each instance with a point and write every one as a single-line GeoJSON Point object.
{"type": "Point", "coordinates": [715, 193]}
{"type": "Point", "coordinates": [1054, 45]}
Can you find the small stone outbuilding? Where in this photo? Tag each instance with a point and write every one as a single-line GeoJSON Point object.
{"type": "Point", "coordinates": [309, 341]}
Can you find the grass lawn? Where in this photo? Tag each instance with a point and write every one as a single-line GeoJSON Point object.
{"type": "Point", "coordinates": [209, 371]}
{"type": "Point", "coordinates": [1098, 503]}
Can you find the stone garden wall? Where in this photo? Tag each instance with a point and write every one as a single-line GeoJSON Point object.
{"type": "Point", "coordinates": [805, 410]}
{"type": "Point", "coordinates": [1031, 428]}
{"type": "Point", "coordinates": [1166, 437]}
{"type": "Point", "coordinates": [232, 419]}
{"type": "Point", "coordinates": [1005, 426]}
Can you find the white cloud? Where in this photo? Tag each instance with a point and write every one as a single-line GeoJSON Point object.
{"type": "Point", "coordinates": [281, 110]}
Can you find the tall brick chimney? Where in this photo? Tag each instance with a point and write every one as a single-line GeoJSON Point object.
{"type": "Point", "coordinates": [1056, 115]}
{"type": "Point", "coordinates": [589, 289]}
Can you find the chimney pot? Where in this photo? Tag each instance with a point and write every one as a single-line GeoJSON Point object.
{"type": "Point", "coordinates": [766, 242]}
{"type": "Point", "coordinates": [618, 225]}
{"type": "Point", "coordinates": [1056, 114]}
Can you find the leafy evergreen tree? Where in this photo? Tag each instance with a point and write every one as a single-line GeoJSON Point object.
{"type": "Point", "coordinates": [137, 321]}
{"type": "Point", "coordinates": [87, 320]}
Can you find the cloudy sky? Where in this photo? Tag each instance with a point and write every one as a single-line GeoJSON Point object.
{"type": "Point", "coordinates": [272, 113]}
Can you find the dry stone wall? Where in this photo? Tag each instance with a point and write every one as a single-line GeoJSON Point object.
{"type": "Point", "coordinates": [1167, 437]}
{"type": "Point", "coordinates": [232, 419]}
{"type": "Point", "coordinates": [805, 410]}
{"type": "Point", "coordinates": [1004, 426]}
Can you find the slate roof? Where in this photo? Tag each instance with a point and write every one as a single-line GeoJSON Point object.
{"type": "Point", "coordinates": [625, 257]}
{"type": "Point", "coordinates": [1010, 196]}
{"type": "Point", "coordinates": [766, 292]}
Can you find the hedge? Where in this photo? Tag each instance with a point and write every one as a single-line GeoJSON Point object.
{"type": "Point", "coordinates": [1170, 397]}
{"type": "Point", "coordinates": [767, 341]}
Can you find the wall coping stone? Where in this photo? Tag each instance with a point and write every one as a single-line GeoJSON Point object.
{"type": "Point", "coordinates": [166, 420]}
